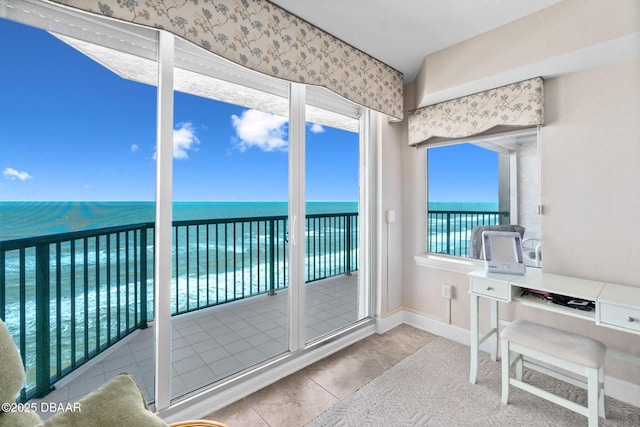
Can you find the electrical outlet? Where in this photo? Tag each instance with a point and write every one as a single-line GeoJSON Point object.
{"type": "Point", "coordinates": [447, 291]}
{"type": "Point", "coordinates": [390, 216]}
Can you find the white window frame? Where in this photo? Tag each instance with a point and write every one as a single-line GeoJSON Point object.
{"type": "Point", "coordinates": [495, 142]}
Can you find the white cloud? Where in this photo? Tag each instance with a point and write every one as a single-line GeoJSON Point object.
{"type": "Point", "coordinates": [316, 128]}
{"type": "Point", "coordinates": [263, 130]}
{"type": "Point", "coordinates": [184, 139]}
{"type": "Point", "coordinates": [134, 148]}
{"type": "Point", "coordinates": [14, 174]}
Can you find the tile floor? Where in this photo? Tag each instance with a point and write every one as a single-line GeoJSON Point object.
{"type": "Point", "coordinates": [211, 344]}
{"type": "Point", "coordinates": [299, 398]}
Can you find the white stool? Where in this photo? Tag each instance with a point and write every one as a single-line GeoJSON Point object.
{"type": "Point", "coordinates": [574, 353]}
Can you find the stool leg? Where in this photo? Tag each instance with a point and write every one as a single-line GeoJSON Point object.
{"type": "Point", "coordinates": [601, 390]}
{"type": "Point", "coordinates": [505, 371]}
{"type": "Point", "coordinates": [593, 386]}
{"type": "Point", "coordinates": [519, 364]}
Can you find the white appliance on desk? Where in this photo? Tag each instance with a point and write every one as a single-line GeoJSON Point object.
{"type": "Point", "coordinates": [503, 252]}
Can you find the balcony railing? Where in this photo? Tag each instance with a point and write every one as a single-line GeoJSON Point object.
{"type": "Point", "coordinates": [67, 297]}
{"type": "Point", "coordinates": [450, 231]}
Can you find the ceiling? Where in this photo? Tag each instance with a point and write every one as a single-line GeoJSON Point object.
{"type": "Point", "coordinates": [401, 33]}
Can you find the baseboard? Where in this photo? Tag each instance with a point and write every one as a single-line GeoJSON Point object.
{"type": "Point", "coordinates": [389, 321]}
{"type": "Point", "coordinates": [621, 390]}
{"type": "Point", "coordinates": [436, 327]}
{"type": "Point", "coordinates": [616, 388]}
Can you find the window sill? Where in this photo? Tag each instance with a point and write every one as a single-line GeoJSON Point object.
{"type": "Point", "coordinates": [448, 263]}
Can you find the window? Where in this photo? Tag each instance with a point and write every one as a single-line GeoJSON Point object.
{"type": "Point", "coordinates": [490, 181]}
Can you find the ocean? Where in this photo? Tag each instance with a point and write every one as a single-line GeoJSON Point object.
{"type": "Point", "coordinates": [96, 283]}
{"type": "Point", "coordinates": [450, 224]}
{"type": "Point", "coordinates": [234, 256]}
{"type": "Point", "coordinates": [29, 219]}
{"type": "Point", "coordinates": [463, 206]}
{"type": "Point", "coordinates": [234, 249]}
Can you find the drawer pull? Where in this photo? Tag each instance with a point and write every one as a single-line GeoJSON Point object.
{"type": "Point", "coordinates": [489, 288]}
{"type": "Point", "coordinates": [630, 319]}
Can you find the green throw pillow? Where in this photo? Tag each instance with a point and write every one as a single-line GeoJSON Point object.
{"type": "Point", "coordinates": [119, 402]}
{"type": "Point", "coordinates": [11, 369]}
{"type": "Point", "coordinates": [19, 419]}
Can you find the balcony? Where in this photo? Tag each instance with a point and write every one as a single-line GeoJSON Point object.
{"type": "Point", "coordinates": [209, 345]}
{"type": "Point", "coordinates": [79, 304]}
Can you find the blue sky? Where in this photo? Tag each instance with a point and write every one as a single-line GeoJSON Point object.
{"type": "Point", "coordinates": [462, 173]}
{"type": "Point", "coordinates": [72, 130]}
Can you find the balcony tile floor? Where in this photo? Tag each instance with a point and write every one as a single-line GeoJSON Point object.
{"type": "Point", "coordinates": [211, 344]}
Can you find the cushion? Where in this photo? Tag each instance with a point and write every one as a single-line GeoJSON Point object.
{"type": "Point", "coordinates": [19, 419]}
{"type": "Point", "coordinates": [118, 402]}
{"type": "Point", "coordinates": [11, 369]}
{"type": "Point", "coordinates": [565, 345]}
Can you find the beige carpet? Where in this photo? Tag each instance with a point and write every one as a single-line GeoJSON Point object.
{"type": "Point", "coordinates": [431, 388]}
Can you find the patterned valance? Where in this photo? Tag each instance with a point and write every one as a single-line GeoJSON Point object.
{"type": "Point", "coordinates": [515, 106]}
{"type": "Point", "coordinates": [263, 37]}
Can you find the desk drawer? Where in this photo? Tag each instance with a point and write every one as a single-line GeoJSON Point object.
{"type": "Point", "coordinates": [491, 288]}
{"type": "Point", "coordinates": [620, 316]}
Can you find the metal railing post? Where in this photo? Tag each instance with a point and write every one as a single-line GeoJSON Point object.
{"type": "Point", "coordinates": [143, 278]}
{"type": "Point", "coordinates": [272, 261]}
{"type": "Point", "coordinates": [3, 280]}
{"type": "Point", "coordinates": [448, 233]}
{"type": "Point", "coordinates": [43, 373]}
{"type": "Point", "coordinates": [348, 248]}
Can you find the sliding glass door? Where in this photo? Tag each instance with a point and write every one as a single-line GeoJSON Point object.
{"type": "Point", "coordinates": [249, 250]}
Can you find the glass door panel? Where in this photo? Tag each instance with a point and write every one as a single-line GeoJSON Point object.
{"type": "Point", "coordinates": [332, 232]}
{"type": "Point", "coordinates": [230, 244]}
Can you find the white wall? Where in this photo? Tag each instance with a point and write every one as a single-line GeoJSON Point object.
{"type": "Point", "coordinates": [528, 185]}
{"type": "Point", "coordinates": [591, 188]}
{"type": "Point", "coordinates": [590, 179]}
{"type": "Point", "coordinates": [393, 139]}
{"type": "Point", "coordinates": [591, 174]}
{"type": "Point", "coordinates": [559, 39]}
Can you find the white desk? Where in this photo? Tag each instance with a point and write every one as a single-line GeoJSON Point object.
{"type": "Point", "coordinates": [617, 306]}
